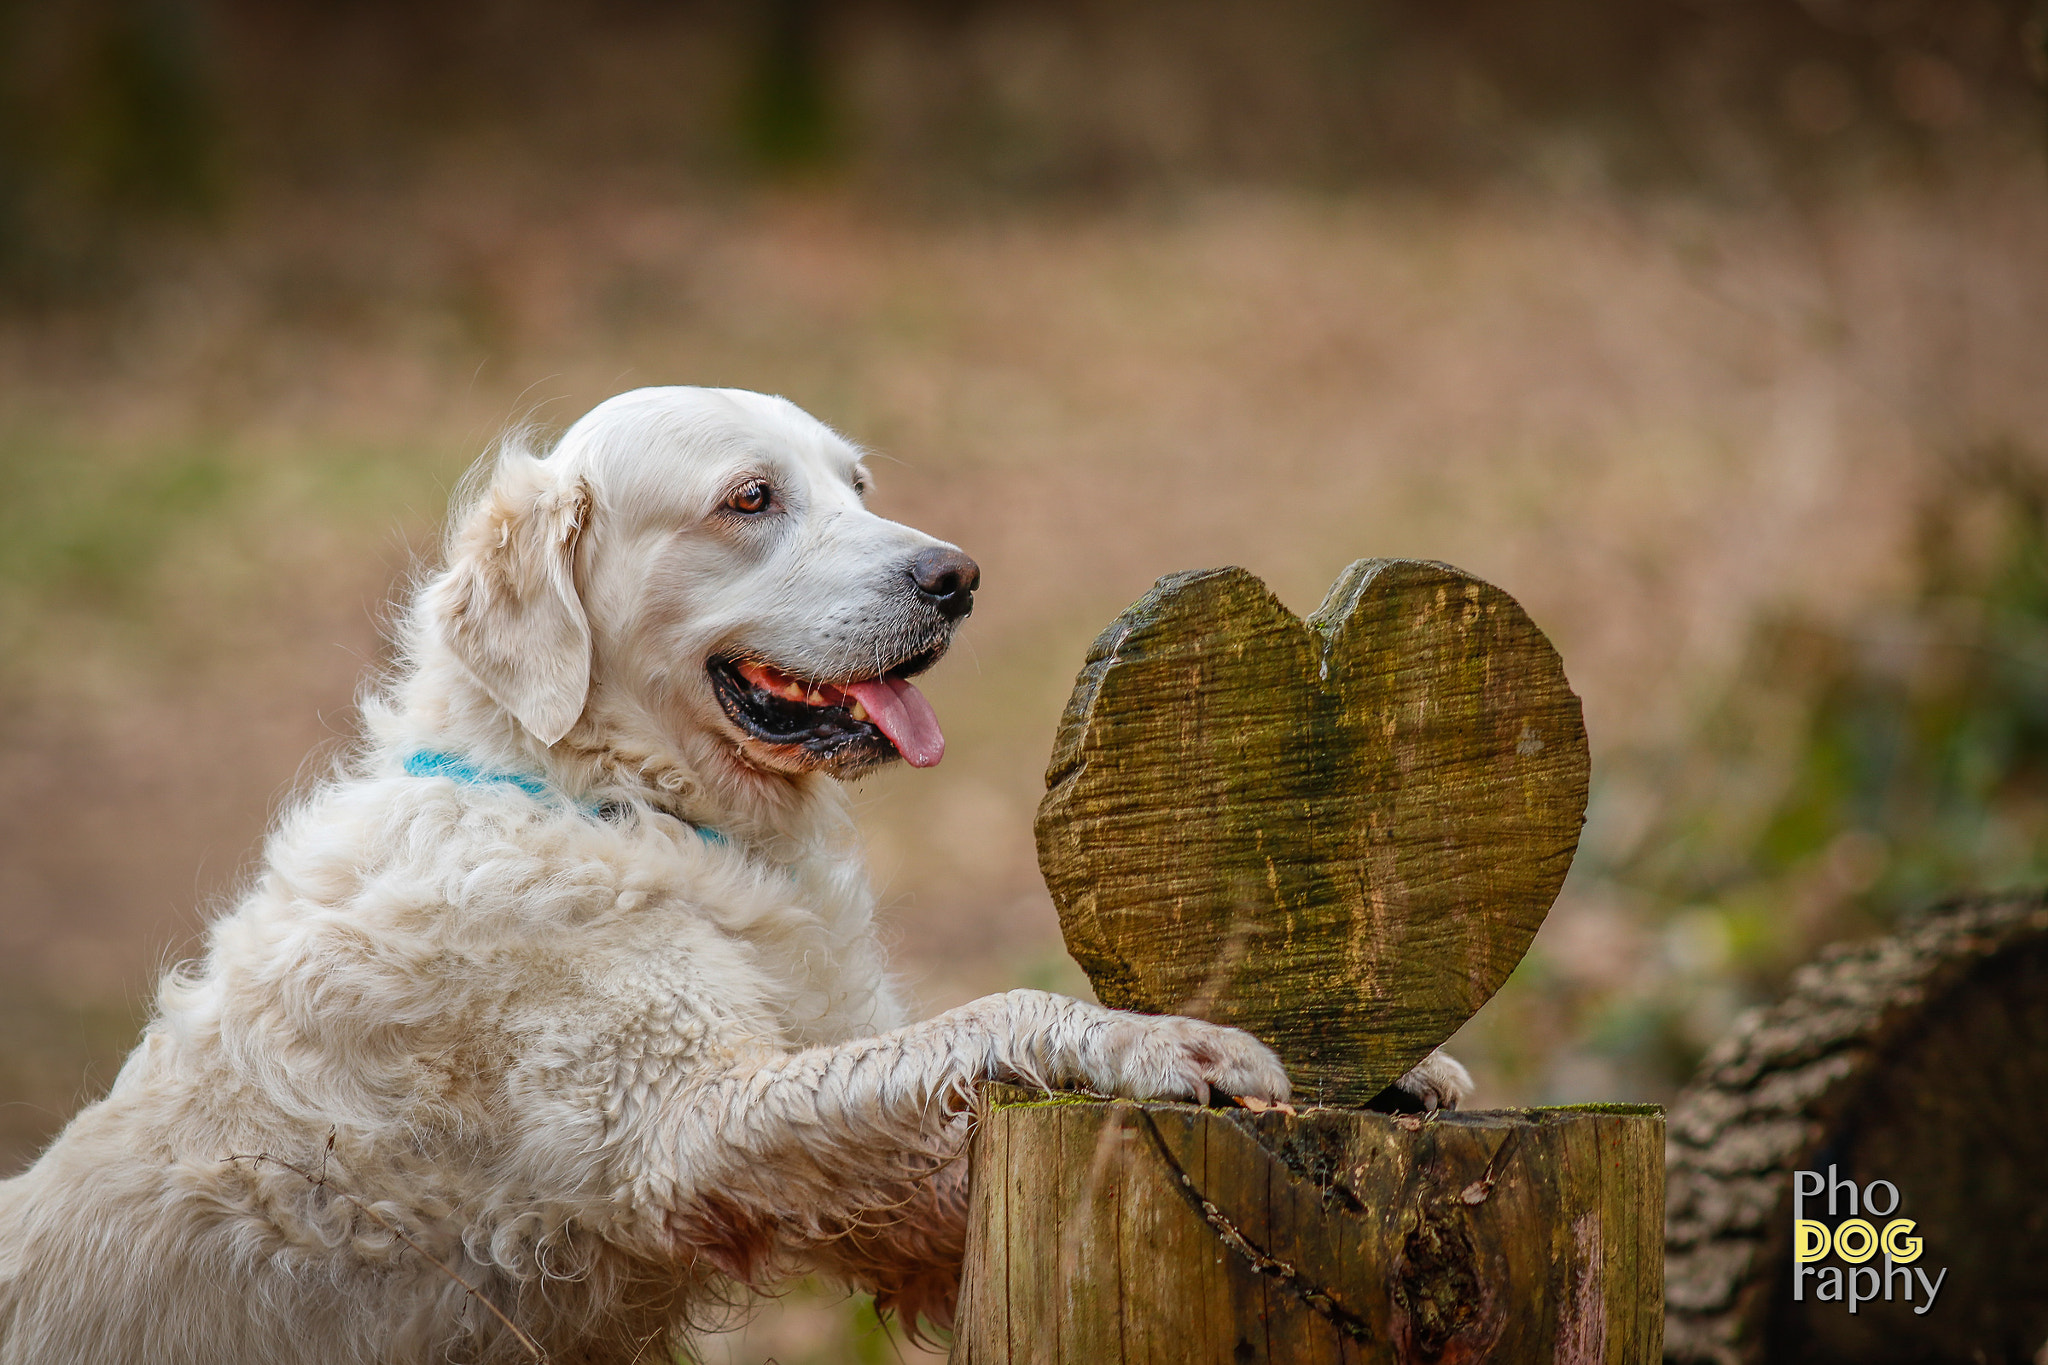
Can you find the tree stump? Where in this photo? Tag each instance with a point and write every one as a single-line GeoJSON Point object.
{"type": "Point", "coordinates": [1167, 1233]}
{"type": "Point", "coordinates": [1920, 1059]}
{"type": "Point", "coordinates": [1340, 834]}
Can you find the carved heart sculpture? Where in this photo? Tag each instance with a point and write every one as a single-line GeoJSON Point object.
{"type": "Point", "coordinates": [1340, 834]}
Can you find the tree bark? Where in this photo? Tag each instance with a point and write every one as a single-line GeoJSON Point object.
{"type": "Point", "coordinates": [1105, 1231]}
{"type": "Point", "coordinates": [1919, 1059]}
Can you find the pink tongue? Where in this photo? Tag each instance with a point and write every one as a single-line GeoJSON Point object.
{"type": "Point", "coordinates": [904, 716]}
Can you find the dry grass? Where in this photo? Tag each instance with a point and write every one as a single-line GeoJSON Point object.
{"type": "Point", "coordinates": [1648, 418]}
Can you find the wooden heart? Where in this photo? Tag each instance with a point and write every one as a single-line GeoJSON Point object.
{"type": "Point", "coordinates": [1340, 834]}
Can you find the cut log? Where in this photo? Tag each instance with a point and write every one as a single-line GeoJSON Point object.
{"type": "Point", "coordinates": [1340, 834]}
{"type": "Point", "coordinates": [1920, 1059]}
{"type": "Point", "coordinates": [1110, 1231]}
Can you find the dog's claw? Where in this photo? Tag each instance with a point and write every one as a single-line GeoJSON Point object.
{"type": "Point", "coordinates": [1438, 1081]}
{"type": "Point", "coordinates": [1167, 1057]}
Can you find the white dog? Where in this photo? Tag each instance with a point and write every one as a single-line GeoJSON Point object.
{"type": "Point", "coordinates": [561, 1011]}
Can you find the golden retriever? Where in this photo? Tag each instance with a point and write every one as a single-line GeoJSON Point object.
{"type": "Point", "coordinates": [559, 1011]}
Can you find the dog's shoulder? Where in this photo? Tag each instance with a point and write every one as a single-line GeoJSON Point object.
{"type": "Point", "coordinates": [394, 915]}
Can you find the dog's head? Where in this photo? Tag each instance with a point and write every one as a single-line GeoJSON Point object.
{"type": "Point", "coordinates": [702, 561]}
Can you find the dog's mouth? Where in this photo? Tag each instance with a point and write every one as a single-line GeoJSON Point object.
{"type": "Point", "coordinates": [846, 724]}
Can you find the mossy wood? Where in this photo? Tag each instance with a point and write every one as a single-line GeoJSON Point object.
{"type": "Point", "coordinates": [1158, 1233]}
{"type": "Point", "coordinates": [1340, 834]}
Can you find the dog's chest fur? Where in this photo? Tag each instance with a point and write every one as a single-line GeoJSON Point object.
{"type": "Point", "coordinates": [423, 949]}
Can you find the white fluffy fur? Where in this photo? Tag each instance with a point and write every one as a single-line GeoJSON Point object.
{"type": "Point", "coordinates": [598, 1068]}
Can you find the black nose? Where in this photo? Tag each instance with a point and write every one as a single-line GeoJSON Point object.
{"type": "Point", "coordinates": [948, 579]}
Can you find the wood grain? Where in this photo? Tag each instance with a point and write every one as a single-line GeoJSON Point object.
{"type": "Point", "coordinates": [1340, 834]}
{"type": "Point", "coordinates": [1109, 1231]}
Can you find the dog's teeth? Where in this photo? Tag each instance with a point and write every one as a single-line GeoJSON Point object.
{"type": "Point", "coordinates": [855, 709]}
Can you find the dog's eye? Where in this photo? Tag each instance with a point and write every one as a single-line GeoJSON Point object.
{"type": "Point", "coordinates": [751, 497]}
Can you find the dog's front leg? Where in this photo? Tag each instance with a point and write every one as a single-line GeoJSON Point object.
{"type": "Point", "coordinates": [826, 1158]}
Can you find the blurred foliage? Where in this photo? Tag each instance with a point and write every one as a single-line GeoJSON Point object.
{"type": "Point", "coordinates": [84, 538]}
{"type": "Point", "coordinates": [1856, 771]}
{"type": "Point", "coordinates": [787, 109]}
{"type": "Point", "coordinates": [1851, 773]}
{"type": "Point", "coordinates": [145, 126]}
{"type": "Point", "coordinates": [120, 116]}
{"type": "Point", "coordinates": [138, 553]}
{"type": "Point", "coordinates": [94, 541]}
{"type": "Point", "coordinates": [107, 118]}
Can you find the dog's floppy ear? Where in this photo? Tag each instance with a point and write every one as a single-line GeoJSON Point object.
{"type": "Point", "coordinates": [508, 606]}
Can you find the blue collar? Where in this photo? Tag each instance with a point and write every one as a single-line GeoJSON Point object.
{"type": "Point", "coordinates": [432, 763]}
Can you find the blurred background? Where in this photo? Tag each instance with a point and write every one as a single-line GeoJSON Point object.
{"type": "Point", "coordinates": [1716, 331]}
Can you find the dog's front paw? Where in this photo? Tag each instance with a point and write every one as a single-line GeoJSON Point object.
{"type": "Point", "coordinates": [1167, 1057]}
{"type": "Point", "coordinates": [1439, 1081]}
